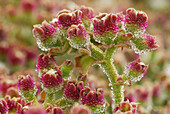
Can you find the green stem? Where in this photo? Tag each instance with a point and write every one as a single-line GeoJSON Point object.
{"type": "Point", "coordinates": [109, 70]}
{"type": "Point", "coordinates": [112, 75]}
{"type": "Point", "coordinates": [96, 52]}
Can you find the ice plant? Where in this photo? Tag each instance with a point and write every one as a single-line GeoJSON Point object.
{"type": "Point", "coordinates": [26, 87]}
{"type": "Point", "coordinates": [94, 40]}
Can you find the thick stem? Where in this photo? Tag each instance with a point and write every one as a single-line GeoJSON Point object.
{"type": "Point", "coordinates": [109, 70]}
{"type": "Point", "coordinates": [96, 52]}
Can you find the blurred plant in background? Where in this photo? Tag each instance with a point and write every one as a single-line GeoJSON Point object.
{"type": "Point", "coordinates": [19, 53]}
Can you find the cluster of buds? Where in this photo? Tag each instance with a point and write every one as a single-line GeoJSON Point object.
{"type": "Point", "coordinates": [135, 70]}
{"type": "Point", "coordinates": [12, 105]}
{"type": "Point", "coordinates": [81, 30]}
{"type": "Point", "coordinates": [26, 86]}
{"type": "Point", "coordinates": [66, 25]}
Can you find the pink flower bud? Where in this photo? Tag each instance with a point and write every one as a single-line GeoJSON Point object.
{"type": "Point", "coordinates": [92, 98]}
{"type": "Point", "coordinates": [72, 90]}
{"type": "Point", "coordinates": [4, 47]}
{"type": "Point", "coordinates": [137, 19]}
{"type": "Point", "coordinates": [78, 31]}
{"type": "Point", "coordinates": [125, 106]}
{"type": "Point", "coordinates": [3, 106]}
{"type": "Point", "coordinates": [19, 109]}
{"type": "Point", "coordinates": [45, 35]}
{"type": "Point", "coordinates": [12, 104]}
{"type": "Point", "coordinates": [150, 42]}
{"type": "Point", "coordinates": [57, 110]}
{"type": "Point", "coordinates": [119, 80]}
{"type": "Point", "coordinates": [26, 86]}
{"type": "Point", "coordinates": [31, 53]}
{"type": "Point", "coordinates": [28, 5]}
{"type": "Point", "coordinates": [143, 44]}
{"type": "Point", "coordinates": [53, 110]}
{"type": "Point", "coordinates": [11, 10]}
{"type": "Point", "coordinates": [67, 18]}
{"type": "Point", "coordinates": [135, 70]}
{"type": "Point", "coordinates": [5, 84]}
{"type": "Point", "coordinates": [142, 94]}
{"type": "Point", "coordinates": [13, 92]}
{"type": "Point", "coordinates": [25, 83]}
{"type": "Point", "coordinates": [78, 36]}
{"type": "Point", "coordinates": [120, 18]}
{"type": "Point", "coordinates": [16, 56]}
{"type": "Point", "coordinates": [45, 62]}
{"type": "Point", "coordinates": [52, 80]}
{"type": "Point", "coordinates": [80, 109]}
{"type": "Point", "coordinates": [87, 12]}
{"type": "Point", "coordinates": [156, 91]}
{"type": "Point", "coordinates": [105, 22]}
{"type": "Point", "coordinates": [105, 28]}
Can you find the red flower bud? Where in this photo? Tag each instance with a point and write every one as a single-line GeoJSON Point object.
{"type": "Point", "coordinates": [92, 98]}
{"type": "Point", "coordinates": [3, 106]}
{"type": "Point", "coordinates": [52, 79]}
{"type": "Point", "coordinates": [72, 90]}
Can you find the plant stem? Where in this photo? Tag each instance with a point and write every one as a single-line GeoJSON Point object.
{"type": "Point", "coordinates": [109, 70]}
